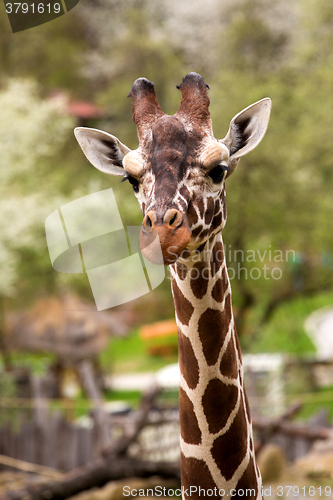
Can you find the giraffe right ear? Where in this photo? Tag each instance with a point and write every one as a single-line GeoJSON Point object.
{"type": "Point", "coordinates": [103, 150]}
{"type": "Point", "coordinates": [246, 130]}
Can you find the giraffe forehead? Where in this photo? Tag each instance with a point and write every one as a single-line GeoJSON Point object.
{"type": "Point", "coordinates": [169, 146]}
{"type": "Point", "coordinates": [173, 149]}
{"type": "Point", "coordinates": [168, 130]}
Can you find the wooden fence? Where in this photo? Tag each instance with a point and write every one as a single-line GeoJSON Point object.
{"type": "Point", "coordinates": [56, 442]}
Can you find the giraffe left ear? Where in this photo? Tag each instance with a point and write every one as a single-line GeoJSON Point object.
{"type": "Point", "coordinates": [103, 150]}
{"type": "Point", "coordinates": [246, 130]}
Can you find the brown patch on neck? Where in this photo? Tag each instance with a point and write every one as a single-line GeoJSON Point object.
{"type": "Point", "coordinates": [218, 402]}
{"type": "Point", "coordinates": [199, 279]}
{"type": "Point", "coordinates": [197, 231]}
{"type": "Point", "coordinates": [220, 287]}
{"type": "Point", "coordinates": [184, 308]}
{"type": "Point", "coordinates": [217, 221]}
{"type": "Point", "coordinates": [189, 427]}
{"type": "Point", "coordinates": [212, 331]}
{"type": "Point", "coordinates": [217, 258]}
{"type": "Point", "coordinates": [195, 473]}
{"type": "Point", "coordinates": [248, 482]}
{"type": "Point", "coordinates": [229, 364]}
{"type": "Point", "coordinates": [229, 449]}
{"type": "Point", "coordinates": [188, 363]}
{"type": "Point", "coordinates": [237, 345]}
{"type": "Point", "coordinates": [181, 270]}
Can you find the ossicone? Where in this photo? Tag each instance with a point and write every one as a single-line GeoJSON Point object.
{"type": "Point", "coordinates": [194, 104]}
{"type": "Point", "coordinates": [146, 109]}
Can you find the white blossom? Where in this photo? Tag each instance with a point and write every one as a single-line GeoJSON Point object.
{"type": "Point", "coordinates": [31, 131]}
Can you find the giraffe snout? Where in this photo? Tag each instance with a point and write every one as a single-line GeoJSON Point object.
{"type": "Point", "coordinates": [167, 232]}
{"type": "Point", "coordinates": [171, 219]}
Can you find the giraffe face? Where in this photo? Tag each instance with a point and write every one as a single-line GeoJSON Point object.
{"type": "Point", "coordinates": [178, 178]}
{"type": "Point", "coordinates": [178, 171]}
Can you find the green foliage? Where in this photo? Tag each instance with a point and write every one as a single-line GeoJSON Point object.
{"type": "Point", "coordinates": [315, 402]}
{"type": "Point", "coordinates": [250, 44]}
{"type": "Point", "coordinates": [131, 355]}
{"type": "Point", "coordinates": [137, 53]}
{"type": "Point", "coordinates": [285, 331]}
{"type": "Point", "coordinates": [51, 53]}
{"type": "Point", "coordinates": [280, 195]}
{"type": "Point", "coordinates": [32, 131]}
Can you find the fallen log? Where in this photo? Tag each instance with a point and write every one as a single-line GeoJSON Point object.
{"type": "Point", "coordinates": [266, 428]}
{"type": "Point", "coordinates": [114, 464]}
{"type": "Point", "coordinates": [95, 475]}
{"type": "Point", "coordinates": [29, 467]}
{"type": "Point", "coordinates": [294, 430]}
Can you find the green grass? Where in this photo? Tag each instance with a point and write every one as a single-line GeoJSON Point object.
{"type": "Point", "coordinates": [82, 406]}
{"type": "Point", "coordinates": [285, 331]}
{"type": "Point", "coordinates": [130, 354]}
{"type": "Point", "coordinates": [315, 402]}
{"type": "Point", "coordinates": [133, 397]}
{"type": "Point", "coordinates": [37, 363]}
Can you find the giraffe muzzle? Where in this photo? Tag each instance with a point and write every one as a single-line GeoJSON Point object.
{"type": "Point", "coordinates": [167, 234]}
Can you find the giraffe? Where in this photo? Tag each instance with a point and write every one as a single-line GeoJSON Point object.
{"type": "Point", "coordinates": [178, 175]}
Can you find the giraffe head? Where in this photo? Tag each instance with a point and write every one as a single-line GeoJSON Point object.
{"type": "Point", "coordinates": [179, 169]}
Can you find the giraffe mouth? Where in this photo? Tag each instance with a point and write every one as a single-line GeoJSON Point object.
{"type": "Point", "coordinates": [163, 246]}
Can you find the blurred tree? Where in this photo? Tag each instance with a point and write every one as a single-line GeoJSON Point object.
{"type": "Point", "coordinates": [279, 197]}
{"type": "Point", "coordinates": [135, 52]}
{"type": "Point", "coordinates": [52, 53]}
{"type": "Point", "coordinates": [249, 42]}
{"type": "Point", "coordinates": [32, 132]}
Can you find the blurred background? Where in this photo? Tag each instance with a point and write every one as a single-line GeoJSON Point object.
{"type": "Point", "coordinates": [61, 361]}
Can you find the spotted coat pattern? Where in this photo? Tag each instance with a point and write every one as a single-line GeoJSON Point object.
{"type": "Point", "coordinates": [178, 175]}
{"type": "Point", "coordinates": [217, 451]}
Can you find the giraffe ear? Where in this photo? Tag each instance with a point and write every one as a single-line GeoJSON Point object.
{"type": "Point", "coordinates": [103, 150]}
{"type": "Point", "coordinates": [246, 130]}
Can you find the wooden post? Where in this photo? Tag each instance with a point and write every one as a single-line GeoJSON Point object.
{"type": "Point", "coordinates": [93, 392]}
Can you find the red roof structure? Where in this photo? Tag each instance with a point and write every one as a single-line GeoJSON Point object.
{"type": "Point", "coordinates": [84, 110]}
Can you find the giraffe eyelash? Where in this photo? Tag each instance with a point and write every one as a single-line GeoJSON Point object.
{"type": "Point", "coordinates": [133, 181]}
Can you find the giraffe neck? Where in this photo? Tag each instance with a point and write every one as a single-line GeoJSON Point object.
{"type": "Point", "coordinates": [217, 451]}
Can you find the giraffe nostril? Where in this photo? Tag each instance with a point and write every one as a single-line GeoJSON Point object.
{"type": "Point", "coordinates": [149, 220]}
{"type": "Point", "coordinates": [173, 218]}
{"type": "Point", "coordinates": [171, 222]}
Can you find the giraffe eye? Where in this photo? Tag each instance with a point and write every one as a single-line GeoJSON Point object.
{"type": "Point", "coordinates": [217, 173]}
{"type": "Point", "coordinates": [133, 181]}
